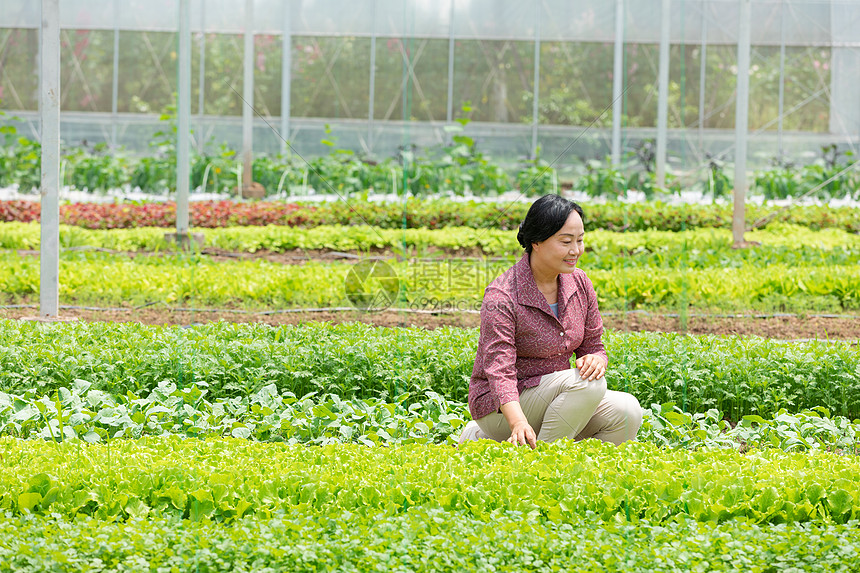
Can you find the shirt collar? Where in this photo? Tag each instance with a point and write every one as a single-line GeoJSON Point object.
{"type": "Point", "coordinates": [528, 293]}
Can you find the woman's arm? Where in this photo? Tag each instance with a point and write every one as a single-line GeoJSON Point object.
{"type": "Point", "coordinates": [498, 342]}
{"type": "Point", "coordinates": [497, 345]}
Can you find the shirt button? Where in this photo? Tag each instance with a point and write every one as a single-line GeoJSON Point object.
{"type": "Point", "coordinates": [561, 334]}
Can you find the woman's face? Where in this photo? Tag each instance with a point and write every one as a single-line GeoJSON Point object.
{"type": "Point", "coordinates": [561, 252]}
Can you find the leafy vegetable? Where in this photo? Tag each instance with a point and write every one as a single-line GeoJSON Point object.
{"type": "Point", "coordinates": [735, 375]}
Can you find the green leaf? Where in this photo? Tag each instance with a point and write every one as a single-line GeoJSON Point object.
{"type": "Point", "coordinates": [28, 501]}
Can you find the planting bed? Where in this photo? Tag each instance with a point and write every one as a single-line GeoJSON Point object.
{"type": "Point", "coordinates": [311, 441]}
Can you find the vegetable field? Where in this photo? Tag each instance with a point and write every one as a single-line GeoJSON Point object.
{"type": "Point", "coordinates": [217, 446]}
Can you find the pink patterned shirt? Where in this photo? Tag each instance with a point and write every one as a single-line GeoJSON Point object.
{"type": "Point", "coordinates": [521, 340]}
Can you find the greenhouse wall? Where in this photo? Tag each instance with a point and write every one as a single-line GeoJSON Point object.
{"type": "Point", "coordinates": [373, 76]}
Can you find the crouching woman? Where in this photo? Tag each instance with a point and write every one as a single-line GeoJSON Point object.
{"type": "Point", "coordinates": [534, 318]}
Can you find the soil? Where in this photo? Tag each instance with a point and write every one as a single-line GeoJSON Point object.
{"type": "Point", "coordinates": [779, 327]}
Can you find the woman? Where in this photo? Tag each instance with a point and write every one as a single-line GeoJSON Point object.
{"type": "Point", "coordinates": [534, 317]}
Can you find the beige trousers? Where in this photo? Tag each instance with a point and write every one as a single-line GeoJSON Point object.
{"type": "Point", "coordinates": [564, 405]}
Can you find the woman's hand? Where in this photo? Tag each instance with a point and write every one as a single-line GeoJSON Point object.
{"type": "Point", "coordinates": [521, 430]}
{"type": "Point", "coordinates": [522, 433]}
{"type": "Point", "coordinates": [591, 366]}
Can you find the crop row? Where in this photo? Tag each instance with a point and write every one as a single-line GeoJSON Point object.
{"type": "Point", "coordinates": [421, 540]}
{"type": "Point", "coordinates": [430, 284]}
{"type": "Point", "coordinates": [415, 213]}
{"type": "Point", "coordinates": [737, 376]}
{"type": "Point", "coordinates": [225, 479]}
{"type": "Point", "coordinates": [80, 412]}
{"type": "Point", "coordinates": [698, 248]}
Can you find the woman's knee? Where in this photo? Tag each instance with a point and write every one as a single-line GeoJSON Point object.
{"type": "Point", "coordinates": [632, 410]}
{"type": "Point", "coordinates": [592, 390]}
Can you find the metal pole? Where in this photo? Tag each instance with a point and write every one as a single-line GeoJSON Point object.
{"type": "Point", "coordinates": [286, 75]}
{"type": "Point", "coordinates": [49, 253]}
{"type": "Point", "coordinates": [450, 114]}
{"type": "Point", "coordinates": [741, 123]}
{"type": "Point", "coordinates": [183, 115]}
{"type": "Point", "coordinates": [535, 99]}
{"type": "Point", "coordinates": [372, 89]}
{"type": "Point", "coordinates": [201, 79]}
{"type": "Point", "coordinates": [115, 87]}
{"type": "Point", "coordinates": [703, 66]}
{"type": "Point", "coordinates": [617, 82]}
{"type": "Point", "coordinates": [248, 96]}
{"type": "Point", "coordinates": [781, 75]}
{"type": "Point", "coordinates": [663, 93]}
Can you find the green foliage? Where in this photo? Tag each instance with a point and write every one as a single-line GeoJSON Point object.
{"type": "Point", "coordinates": [268, 415]}
{"type": "Point", "coordinates": [785, 180]}
{"type": "Point", "coordinates": [667, 425]}
{"type": "Point", "coordinates": [537, 178]}
{"type": "Point", "coordinates": [225, 479]}
{"type": "Point", "coordinates": [606, 250]}
{"type": "Point", "coordinates": [20, 161]}
{"type": "Point", "coordinates": [422, 539]}
{"type": "Point", "coordinates": [198, 280]}
{"type": "Point", "coordinates": [158, 172]}
{"type": "Point", "coordinates": [79, 412]}
{"type": "Point", "coordinates": [734, 375]}
{"type": "Point", "coordinates": [101, 170]}
{"type": "Point", "coordinates": [718, 184]}
{"type": "Point", "coordinates": [613, 182]}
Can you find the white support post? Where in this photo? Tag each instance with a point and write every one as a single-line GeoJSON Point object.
{"type": "Point", "coordinates": [248, 96]}
{"type": "Point", "coordinates": [617, 82]}
{"type": "Point", "coordinates": [201, 80]}
{"type": "Point", "coordinates": [286, 75]}
{"type": "Point", "coordinates": [371, 89]}
{"type": "Point", "coordinates": [183, 115]}
{"type": "Point", "coordinates": [49, 253]}
{"type": "Point", "coordinates": [536, 98]}
{"type": "Point", "coordinates": [703, 66]}
{"type": "Point", "coordinates": [449, 115]}
{"type": "Point", "coordinates": [115, 82]}
{"type": "Point", "coordinates": [663, 92]}
{"type": "Point", "coordinates": [781, 109]}
{"type": "Point", "coordinates": [741, 124]}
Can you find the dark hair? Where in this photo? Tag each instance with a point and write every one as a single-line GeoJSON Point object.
{"type": "Point", "coordinates": [545, 217]}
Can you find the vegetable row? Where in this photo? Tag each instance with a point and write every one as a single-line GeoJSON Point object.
{"type": "Point", "coordinates": [226, 479]}
{"type": "Point", "coordinates": [699, 248]}
{"type": "Point", "coordinates": [423, 540]}
{"type": "Point", "coordinates": [431, 214]}
{"type": "Point", "coordinates": [737, 376]}
{"type": "Point", "coordinates": [430, 284]}
{"type": "Point", "coordinates": [80, 412]}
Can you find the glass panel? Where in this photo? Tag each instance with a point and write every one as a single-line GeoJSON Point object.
{"type": "Point", "coordinates": [19, 14]}
{"type": "Point", "coordinates": [494, 19]}
{"type": "Point", "coordinates": [86, 70]}
{"type": "Point", "coordinates": [720, 84]}
{"type": "Point", "coordinates": [19, 69]}
{"type": "Point", "coordinates": [583, 20]}
{"type": "Point", "coordinates": [147, 71]}
{"type": "Point", "coordinates": [421, 19]}
{"type": "Point", "coordinates": [224, 59]}
{"type": "Point", "coordinates": [423, 91]}
{"type": "Point", "coordinates": [333, 18]}
{"type": "Point", "coordinates": [267, 74]}
{"type": "Point", "coordinates": [331, 77]}
{"type": "Point", "coordinates": [497, 77]}
{"type": "Point", "coordinates": [575, 83]}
